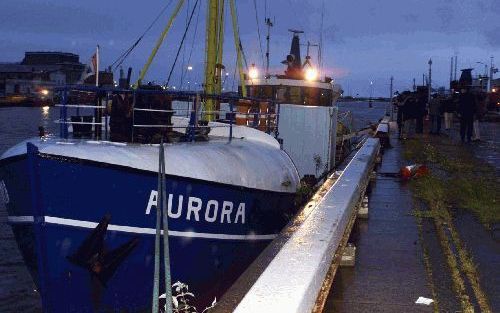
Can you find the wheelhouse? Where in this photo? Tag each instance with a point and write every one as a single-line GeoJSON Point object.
{"type": "Point", "coordinates": [292, 91]}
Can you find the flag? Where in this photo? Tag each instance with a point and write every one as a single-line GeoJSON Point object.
{"type": "Point", "coordinates": [90, 69]}
{"type": "Point", "coordinates": [93, 62]}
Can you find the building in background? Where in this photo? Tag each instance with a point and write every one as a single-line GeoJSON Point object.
{"type": "Point", "coordinates": [32, 80]}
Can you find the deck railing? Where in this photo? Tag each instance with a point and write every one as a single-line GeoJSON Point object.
{"type": "Point", "coordinates": [261, 114]}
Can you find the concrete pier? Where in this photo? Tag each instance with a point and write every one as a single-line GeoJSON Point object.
{"type": "Point", "coordinates": [294, 279]}
{"type": "Point", "coordinates": [389, 275]}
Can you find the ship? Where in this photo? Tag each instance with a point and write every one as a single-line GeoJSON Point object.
{"type": "Point", "coordinates": [83, 204]}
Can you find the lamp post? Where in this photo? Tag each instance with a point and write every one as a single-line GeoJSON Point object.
{"type": "Point", "coordinates": [189, 68]}
{"type": "Point", "coordinates": [485, 75]}
{"type": "Point", "coordinates": [429, 87]}
{"type": "Point", "coordinates": [390, 99]}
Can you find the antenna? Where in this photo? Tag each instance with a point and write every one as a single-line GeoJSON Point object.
{"type": "Point", "coordinates": [456, 61]}
{"type": "Point", "coordinates": [269, 25]}
{"type": "Point", "coordinates": [451, 71]}
{"type": "Point", "coordinates": [320, 50]}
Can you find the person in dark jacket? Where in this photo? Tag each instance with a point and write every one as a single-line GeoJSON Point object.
{"type": "Point", "coordinates": [449, 109]}
{"type": "Point", "coordinates": [410, 111]}
{"type": "Point", "coordinates": [435, 114]}
{"type": "Point", "coordinates": [466, 109]}
{"type": "Point", "coordinates": [420, 111]}
{"type": "Point", "coordinates": [400, 100]}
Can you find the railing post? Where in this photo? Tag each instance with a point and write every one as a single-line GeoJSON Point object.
{"type": "Point", "coordinates": [231, 116]}
{"type": "Point", "coordinates": [268, 118]}
{"type": "Point", "coordinates": [193, 118]}
{"type": "Point", "coordinates": [64, 113]}
{"type": "Point", "coordinates": [106, 117]}
{"type": "Point", "coordinates": [133, 114]}
{"type": "Point", "coordinates": [276, 129]}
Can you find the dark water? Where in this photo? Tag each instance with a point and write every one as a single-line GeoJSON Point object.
{"type": "Point", "coordinates": [363, 115]}
{"type": "Point", "coordinates": [17, 290]}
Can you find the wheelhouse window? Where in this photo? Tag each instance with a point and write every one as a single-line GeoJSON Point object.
{"type": "Point", "coordinates": [293, 94]}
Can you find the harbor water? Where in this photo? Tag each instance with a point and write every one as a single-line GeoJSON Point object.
{"type": "Point", "coordinates": [17, 290]}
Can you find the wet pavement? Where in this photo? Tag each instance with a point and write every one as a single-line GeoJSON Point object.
{"type": "Point", "coordinates": [389, 274]}
{"type": "Point", "coordinates": [488, 148]}
{"type": "Point", "coordinates": [485, 250]}
{"type": "Point", "coordinates": [400, 255]}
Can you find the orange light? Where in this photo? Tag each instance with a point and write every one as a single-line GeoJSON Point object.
{"type": "Point", "coordinates": [311, 74]}
{"type": "Point", "coordinates": [253, 73]}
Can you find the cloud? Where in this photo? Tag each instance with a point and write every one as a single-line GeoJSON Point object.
{"type": "Point", "coordinates": [37, 17]}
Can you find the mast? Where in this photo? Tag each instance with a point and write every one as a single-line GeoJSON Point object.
{"type": "Point", "coordinates": [97, 67]}
{"type": "Point", "coordinates": [220, 47]}
{"type": "Point", "coordinates": [212, 46]}
{"type": "Point", "coordinates": [269, 25]}
{"type": "Point", "coordinates": [320, 50]}
{"type": "Point", "coordinates": [238, 47]}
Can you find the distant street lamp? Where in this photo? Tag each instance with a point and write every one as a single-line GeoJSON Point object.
{"type": "Point", "coordinates": [485, 75]}
{"type": "Point", "coordinates": [189, 68]}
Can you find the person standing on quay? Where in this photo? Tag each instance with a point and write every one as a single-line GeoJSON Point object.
{"type": "Point", "coordinates": [420, 110]}
{"type": "Point", "coordinates": [435, 114]}
{"type": "Point", "coordinates": [400, 100]}
{"type": "Point", "coordinates": [480, 102]}
{"type": "Point", "coordinates": [448, 108]}
{"type": "Point", "coordinates": [466, 109]}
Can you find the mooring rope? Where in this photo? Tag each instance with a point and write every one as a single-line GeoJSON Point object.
{"type": "Point", "coordinates": [161, 209]}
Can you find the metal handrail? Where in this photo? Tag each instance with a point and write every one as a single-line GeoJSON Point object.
{"type": "Point", "coordinates": [180, 127]}
{"type": "Point", "coordinates": [80, 106]}
{"type": "Point", "coordinates": [193, 99]}
{"type": "Point", "coordinates": [59, 121]}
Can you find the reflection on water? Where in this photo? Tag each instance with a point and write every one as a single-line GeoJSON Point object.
{"type": "Point", "coordinates": [20, 123]}
{"type": "Point", "coordinates": [45, 111]}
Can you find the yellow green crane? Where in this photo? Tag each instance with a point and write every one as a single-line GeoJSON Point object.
{"type": "Point", "coordinates": [159, 42]}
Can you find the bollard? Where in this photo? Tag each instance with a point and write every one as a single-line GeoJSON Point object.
{"type": "Point", "coordinates": [348, 256]}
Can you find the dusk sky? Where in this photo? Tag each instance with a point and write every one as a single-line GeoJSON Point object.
{"type": "Point", "coordinates": [364, 40]}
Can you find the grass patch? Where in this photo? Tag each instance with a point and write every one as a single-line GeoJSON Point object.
{"type": "Point", "coordinates": [457, 178]}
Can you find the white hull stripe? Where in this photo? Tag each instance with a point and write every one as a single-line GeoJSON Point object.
{"type": "Point", "coordinates": [20, 219]}
{"type": "Point", "coordinates": [139, 230]}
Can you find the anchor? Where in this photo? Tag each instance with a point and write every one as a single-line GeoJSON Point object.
{"type": "Point", "coordinates": [101, 262]}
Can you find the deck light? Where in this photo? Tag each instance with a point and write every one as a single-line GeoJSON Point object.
{"type": "Point", "coordinates": [494, 90]}
{"type": "Point", "coordinates": [253, 73]}
{"type": "Point", "coordinates": [311, 74]}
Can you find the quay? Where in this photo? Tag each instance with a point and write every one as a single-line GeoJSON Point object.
{"type": "Point", "coordinates": [400, 256]}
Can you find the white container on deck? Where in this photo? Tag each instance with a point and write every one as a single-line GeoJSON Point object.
{"type": "Point", "coordinates": [309, 136]}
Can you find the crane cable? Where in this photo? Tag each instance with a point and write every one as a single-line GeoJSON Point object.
{"type": "Point", "coordinates": [184, 71]}
{"type": "Point", "coordinates": [258, 30]}
{"type": "Point", "coordinates": [116, 64]}
{"type": "Point", "coordinates": [160, 40]}
{"type": "Point", "coordinates": [182, 43]}
{"type": "Point", "coordinates": [188, 9]}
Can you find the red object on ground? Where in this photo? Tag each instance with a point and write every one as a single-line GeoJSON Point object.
{"type": "Point", "coordinates": [414, 171]}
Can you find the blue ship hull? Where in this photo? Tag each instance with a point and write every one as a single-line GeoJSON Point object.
{"type": "Point", "coordinates": [63, 209]}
